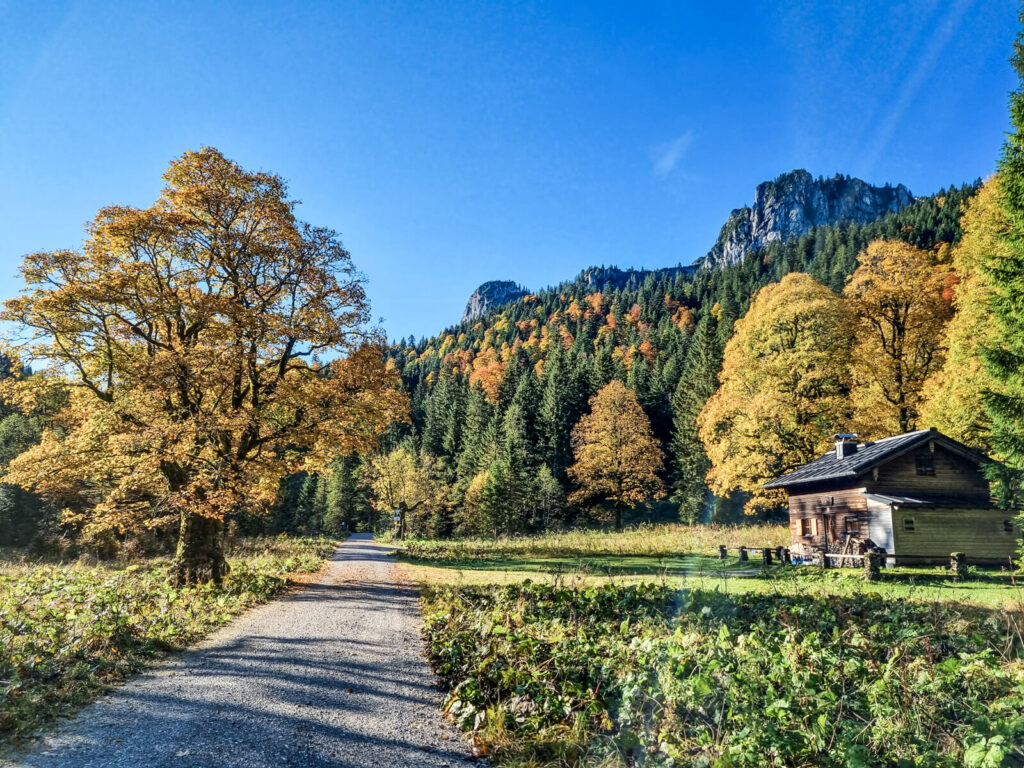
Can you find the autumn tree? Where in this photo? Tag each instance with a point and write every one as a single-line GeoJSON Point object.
{"type": "Point", "coordinates": [955, 393]}
{"type": "Point", "coordinates": [1004, 270]}
{"type": "Point", "coordinates": [783, 389]}
{"type": "Point", "coordinates": [617, 455]}
{"type": "Point", "coordinates": [900, 301]}
{"type": "Point", "coordinates": [400, 483]}
{"type": "Point", "coordinates": [213, 344]}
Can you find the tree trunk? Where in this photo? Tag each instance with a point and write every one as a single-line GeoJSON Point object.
{"type": "Point", "coordinates": [200, 554]}
{"type": "Point", "coordinates": [618, 516]}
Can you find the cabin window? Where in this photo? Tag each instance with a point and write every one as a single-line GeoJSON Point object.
{"type": "Point", "coordinates": [809, 526]}
{"type": "Point", "coordinates": [908, 524]}
{"type": "Point", "coordinates": [1008, 526]}
{"type": "Point", "coordinates": [852, 526]}
{"type": "Point", "coordinates": [925, 464]}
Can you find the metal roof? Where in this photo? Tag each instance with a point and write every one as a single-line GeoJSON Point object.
{"type": "Point", "coordinates": [901, 501]}
{"type": "Point", "coordinates": [868, 456]}
{"type": "Point", "coordinates": [953, 502]}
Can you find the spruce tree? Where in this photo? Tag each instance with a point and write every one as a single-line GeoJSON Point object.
{"type": "Point", "coordinates": [1005, 358]}
{"type": "Point", "coordinates": [558, 412]}
{"type": "Point", "coordinates": [442, 417]}
{"type": "Point", "coordinates": [477, 435]}
{"type": "Point", "coordinates": [347, 497]}
{"type": "Point", "coordinates": [305, 507]}
{"type": "Point", "coordinates": [697, 383]}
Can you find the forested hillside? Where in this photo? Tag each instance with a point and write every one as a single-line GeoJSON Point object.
{"type": "Point", "coordinates": [500, 396]}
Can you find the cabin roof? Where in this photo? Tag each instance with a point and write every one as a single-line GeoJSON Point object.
{"type": "Point", "coordinates": [909, 501]}
{"type": "Point", "coordinates": [868, 456]}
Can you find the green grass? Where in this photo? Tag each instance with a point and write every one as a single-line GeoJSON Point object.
{"type": "Point", "coordinates": [617, 675]}
{"type": "Point", "coordinates": [69, 631]}
{"type": "Point", "coordinates": [682, 556]}
{"type": "Point", "coordinates": [652, 541]}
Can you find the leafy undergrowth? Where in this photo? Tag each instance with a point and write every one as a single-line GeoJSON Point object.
{"type": "Point", "coordinates": [68, 631]}
{"type": "Point", "coordinates": [646, 540]}
{"type": "Point", "coordinates": [648, 675]}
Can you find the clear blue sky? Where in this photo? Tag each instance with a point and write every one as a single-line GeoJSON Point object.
{"type": "Point", "coordinates": [453, 143]}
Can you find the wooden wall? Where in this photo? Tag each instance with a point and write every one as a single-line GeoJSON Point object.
{"type": "Point", "coordinates": [955, 479]}
{"type": "Point", "coordinates": [835, 504]}
{"type": "Point", "coordinates": [978, 533]}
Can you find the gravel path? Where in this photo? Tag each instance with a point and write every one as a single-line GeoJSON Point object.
{"type": "Point", "coordinates": [330, 676]}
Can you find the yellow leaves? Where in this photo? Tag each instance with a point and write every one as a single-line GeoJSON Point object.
{"type": "Point", "coordinates": [617, 456]}
{"type": "Point", "coordinates": [898, 301]}
{"type": "Point", "coordinates": [211, 343]}
{"type": "Point", "coordinates": [782, 388]}
{"type": "Point", "coordinates": [954, 394]}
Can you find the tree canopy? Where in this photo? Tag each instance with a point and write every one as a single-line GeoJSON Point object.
{"type": "Point", "coordinates": [617, 456]}
{"type": "Point", "coordinates": [212, 344]}
{"type": "Point", "coordinates": [783, 389]}
{"type": "Point", "coordinates": [900, 301]}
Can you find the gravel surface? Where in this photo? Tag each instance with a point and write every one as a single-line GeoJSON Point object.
{"type": "Point", "coordinates": [330, 676]}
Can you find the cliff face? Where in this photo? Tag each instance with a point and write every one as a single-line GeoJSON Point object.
{"type": "Point", "coordinates": [489, 295]}
{"type": "Point", "coordinates": [794, 204]}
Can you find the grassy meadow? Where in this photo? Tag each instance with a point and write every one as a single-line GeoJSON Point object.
{"type": "Point", "coordinates": [683, 556]}
{"type": "Point", "coordinates": [68, 630]}
{"type": "Point", "coordinates": [642, 647]}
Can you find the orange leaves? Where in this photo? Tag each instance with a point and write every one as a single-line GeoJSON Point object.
{"type": "Point", "coordinates": [683, 318]}
{"type": "Point", "coordinates": [487, 372]}
{"type": "Point", "coordinates": [212, 344]}
{"type": "Point", "coordinates": [617, 455]}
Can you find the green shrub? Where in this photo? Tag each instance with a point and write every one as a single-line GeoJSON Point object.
{"type": "Point", "coordinates": [618, 675]}
{"type": "Point", "coordinates": [68, 631]}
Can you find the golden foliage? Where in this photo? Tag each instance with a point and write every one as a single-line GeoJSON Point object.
{"type": "Point", "coordinates": [782, 389]}
{"type": "Point", "coordinates": [954, 394]}
{"type": "Point", "coordinates": [212, 344]}
{"type": "Point", "coordinates": [617, 455]}
{"type": "Point", "coordinates": [897, 303]}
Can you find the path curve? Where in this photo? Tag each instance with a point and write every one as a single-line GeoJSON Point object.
{"type": "Point", "coordinates": [333, 675]}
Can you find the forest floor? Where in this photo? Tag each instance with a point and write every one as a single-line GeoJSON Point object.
{"type": "Point", "coordinates": [331, 675]}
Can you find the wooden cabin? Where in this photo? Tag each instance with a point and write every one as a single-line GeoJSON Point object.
{"type": "Point", "coordinates": [919, 496]}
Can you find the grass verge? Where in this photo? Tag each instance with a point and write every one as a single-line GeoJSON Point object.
{"type": "Point", "coordinates": [617, 675]}
{"type": "Point", "coordinates": [68, 632]}
{"type": "Point", "coordinates": [647, 541]}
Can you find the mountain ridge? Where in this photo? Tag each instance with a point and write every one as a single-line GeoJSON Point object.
{"type": "Point", "coordinates": [793, 204]}
{"type": "Point", "coordinates": [790, 206]}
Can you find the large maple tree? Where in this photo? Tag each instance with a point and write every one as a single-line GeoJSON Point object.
{"type": "Point", "coordinates": [212, 343]}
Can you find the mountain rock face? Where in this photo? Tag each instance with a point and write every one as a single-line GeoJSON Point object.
{"type": "Point", "coordinates": [794, 204]}
{"type": "Point", "coordinates": [491, 294]}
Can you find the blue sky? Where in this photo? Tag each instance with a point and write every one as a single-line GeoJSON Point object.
{"type": "Point", "coordinates": [453, 143]}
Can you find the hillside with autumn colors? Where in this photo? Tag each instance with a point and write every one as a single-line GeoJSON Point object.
{"type": "Point", "coordinates": [663, 332]}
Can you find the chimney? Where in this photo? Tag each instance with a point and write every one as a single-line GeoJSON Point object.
{"type": "Point", "coordinates": [846, 445]}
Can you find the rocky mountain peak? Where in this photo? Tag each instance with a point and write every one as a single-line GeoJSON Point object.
{"type": "Point", "coordinates": [794, 204]}
{"type": "Point", "coordinates": [491, 294]}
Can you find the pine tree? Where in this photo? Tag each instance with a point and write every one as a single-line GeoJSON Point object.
{"type": "Point", "coordinates": [347, 503]}
{"type": "Point", "coordinates": [559, 411]}
{"type": "Point", "coordinates": [509, 383]}
{"type": "Point", "coordinates": [305, 508]}
{"type": "Point", "coordinates": [521, 433]}
{"type": "Point", "coordinates": [477, 435]}
{"type": "Point", "coordinates": [444, 413]}
{"type": "Point", "coordinates": [548, 500]}
{"type": "Point", "coordinates": [1004, 357]}
{"type": "Point", "coordinates": [697, 383]}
